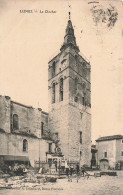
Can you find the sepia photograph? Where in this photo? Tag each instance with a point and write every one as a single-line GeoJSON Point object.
{"type": "Point", "coordinates": [61, 97]}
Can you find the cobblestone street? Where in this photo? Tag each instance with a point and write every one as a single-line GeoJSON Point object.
{"type": "Point", "coordinates": [91, 186]}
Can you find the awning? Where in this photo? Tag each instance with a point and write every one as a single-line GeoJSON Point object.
{"type": "Point", "coordinates": [103, 159]}
{"type": "Point", "coordinates": [15, 158]}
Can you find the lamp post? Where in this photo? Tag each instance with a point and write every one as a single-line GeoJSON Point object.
{"type": "Point", "coordinates": [59, 167]}
{"type": "Point", "coordinates": [39, 153]}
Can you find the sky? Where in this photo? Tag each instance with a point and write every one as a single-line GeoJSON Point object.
{"type": "Point", "coordinates": [29, 40]}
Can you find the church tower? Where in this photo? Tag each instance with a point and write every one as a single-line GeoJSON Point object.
{"type": "Point", "coordinates": [69, 100]}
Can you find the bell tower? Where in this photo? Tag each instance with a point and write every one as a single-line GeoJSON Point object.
{"type": "Point", "coordinates": [69, 100]}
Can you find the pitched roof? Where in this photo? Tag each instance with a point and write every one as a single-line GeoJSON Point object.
{"type": "Point", "coordinates": [112, 137]}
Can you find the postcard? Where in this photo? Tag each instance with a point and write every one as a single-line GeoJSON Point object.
{"type": "Point", "coordinates": [61, 100]}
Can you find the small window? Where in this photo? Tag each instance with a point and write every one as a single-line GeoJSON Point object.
{"type": "Point", "coordinates": [80, 137]}
{"type": "Point", "coordinates": [15, 122]}
{"type": "Point", "coordinates": [76, 59]}
{"type": "Point", "coordinates": [83, 100]}
{"type": "Point", "coordinates": [81, 115]}
{"type": "Point", "coordinates": [53, 93]}
{"type": "Point", "coordinates": [25, 145]}
{"type": "Point", "coordinates": [105, 154]}
{"type": "Point", "coordinates": [83, 88]}
{"type": "Point", "coordinates": [50, 147]}
{"type": "Point", "coordinates": [61, 89]}
{"type": "Point", "coordinates": [76, 99]}
{"type": "Point", "coordinates": [76, 84]}
{"type": "Point", "coordinates": [121, 141]}
{"type": "Point", "coordinates": [80, 154]}
{"type": "Point", "coordinates": [42, 128]}
{"type": "Point", "coordinates": [84, 65]}
{"type": "Point", "coordinates": [53, 69]}
{"type": "Point", "coordinates": [121, 153]}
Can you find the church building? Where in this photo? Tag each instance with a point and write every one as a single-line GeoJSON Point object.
{"type": "Point", "coordinates": [69, 100]}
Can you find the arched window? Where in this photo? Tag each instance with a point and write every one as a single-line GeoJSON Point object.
{"type": "Point", "coordinates": [84, 65]}
{"type": "Point", "coordinates": [83, 100]}
{"type": "Point", "coordinates": [25, 145]}
{"type": "Point", "coordinates": [50, 147]}
{"type": "Point", "coordinates": [76, 84]}
{"type": "Point", "coordinates": [84, 88]}
{"type": "Point", "coordinates": [15, 122]}
{"type": "Point", "coordinates": [76, 59]}
{"type": "Point", "coordinates": [53, 93]}
{"type": "Point", "coordinates": [53, 69]}
{"type": "Point", "coordinates": [42, 128]}
{"type": "Point", "coordinates": [61, 89]}
{"type": "Point", "coordinates": [80, 137]}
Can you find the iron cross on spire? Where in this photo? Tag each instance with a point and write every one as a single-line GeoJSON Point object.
{"type": "Point", "coordinates": [69, 11]}
{"type": "Point", "coordinates": [69, 15]}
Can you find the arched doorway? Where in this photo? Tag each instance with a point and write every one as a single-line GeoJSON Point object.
{"type": "Point", "coordinates": [104, 164]}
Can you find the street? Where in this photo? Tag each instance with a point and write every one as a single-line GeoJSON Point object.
{"type": "Point", "coordinates": [87, 186]}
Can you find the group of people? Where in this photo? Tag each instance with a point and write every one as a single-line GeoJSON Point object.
{"type": "Point", "coordinates": [18, 169]}
{"type": "Point", "coordinates": [78, 171]}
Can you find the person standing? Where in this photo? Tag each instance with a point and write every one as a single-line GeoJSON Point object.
{"type": "Point", "coordinates": [77, 172]}
{"type": "Point", "coordinates": [83, 171]}
{"type": "Point", "coordinates": [77, 169]}
{"type": "Point", "coordinates": [71, 173]}
{"type": "Point", "coordinates": [67, 171]}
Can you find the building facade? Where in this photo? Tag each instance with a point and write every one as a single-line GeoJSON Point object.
{"type": "Point", "coordinates": [24, 135]}
{"type": "Point", "coordinates": [69, 90]}
{"type": "Point", "coordinates": [110, 152]}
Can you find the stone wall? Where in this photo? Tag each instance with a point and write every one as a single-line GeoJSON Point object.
{"type": "Point", "coordinates": [58, 123]}
{"type": "Point", "coordinates": [61, 72]}
{"type": "Point", "coordinates": [119, 150]}
{"type": "Point", "coordinates": [29, 128]}
{"type": "Point", "coordinates": [67, 122]}
{"type": "Point", "coordinates": [77, 124]}
{"type": "Point", "coordinates": [69, 117]}
{"type": "Point", "coordinates": [44, 120]}
{"type": "Point", "coordinates": [108, 146]}
{"type": "Point", "coordinates": [29, 118]}
{"type": "Point", "coordinates": [12, 144]}
{"type": "Point", "coordinates": [5, 113]}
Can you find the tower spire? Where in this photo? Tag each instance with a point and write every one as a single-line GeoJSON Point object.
{"type": "Point", "coordinates": [69, 38]}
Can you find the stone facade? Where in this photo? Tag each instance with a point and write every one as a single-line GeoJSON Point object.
{"type": "Point", "coordinates": [29, 128]}
{"type": "Point", "coordinates": [5, 113]}
{"type": "Point", "coordinates": [70, 115]}
{"type": "Point", "coordinates": [12, 146]}
{"type": "Point", "coordinates": [29, 118]}
{"type": "Point", "coordinates": [110, 151]}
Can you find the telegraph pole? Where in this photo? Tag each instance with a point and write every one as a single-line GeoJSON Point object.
{"type": "Point", "coordinates": [39, 153]}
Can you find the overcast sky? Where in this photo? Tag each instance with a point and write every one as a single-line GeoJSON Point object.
{"type": "Point", "coordinates": [28, 41]}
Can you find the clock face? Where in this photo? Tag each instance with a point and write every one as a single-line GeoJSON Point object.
{"type": "Point", "coordinates": [64, 62]}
